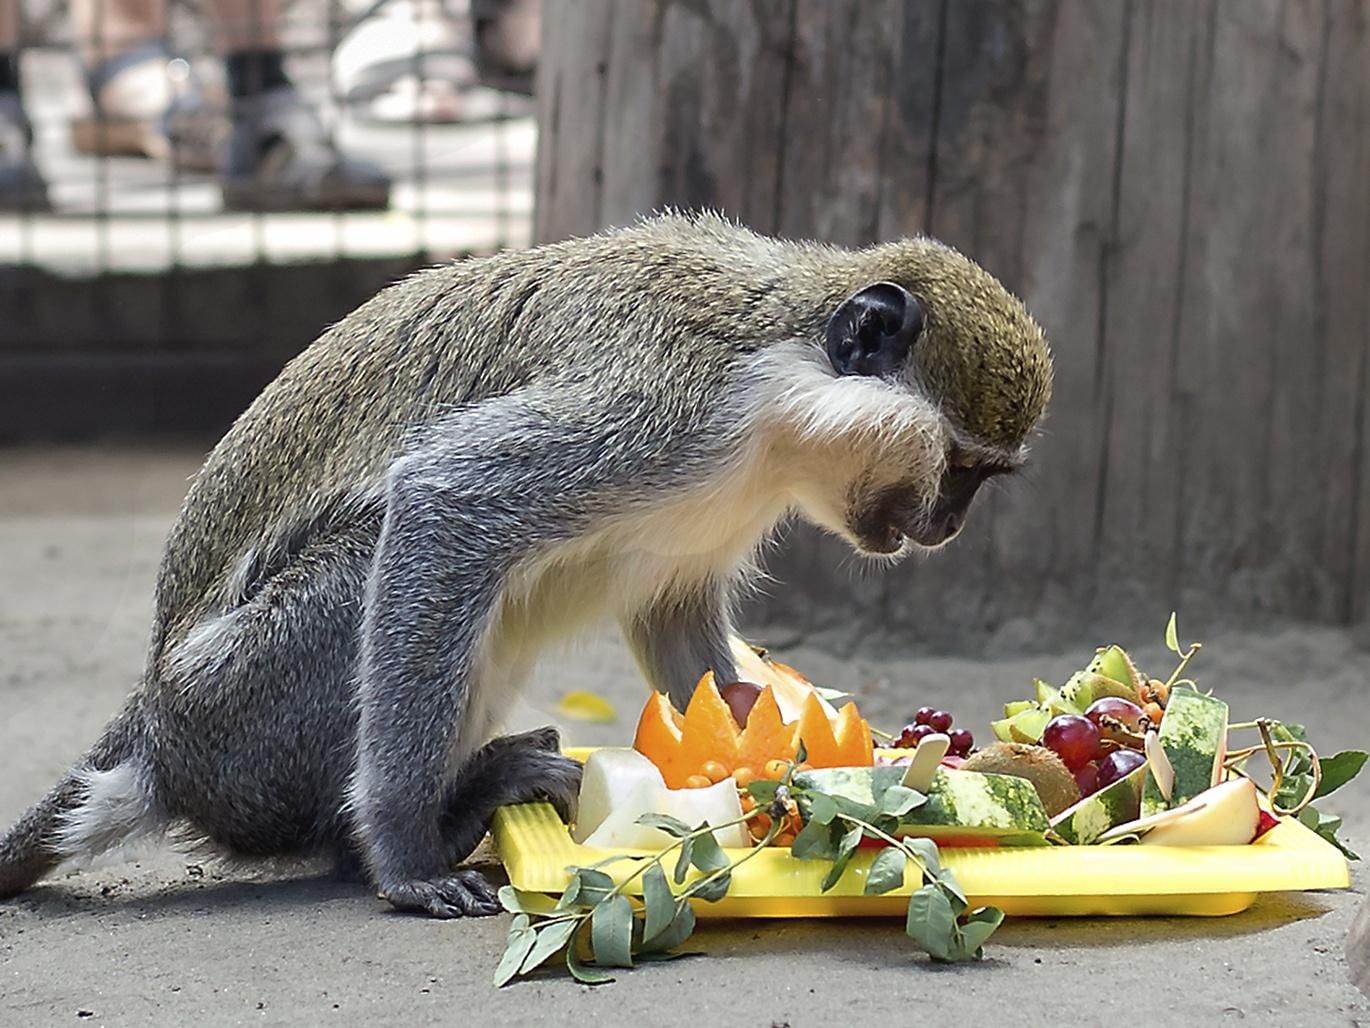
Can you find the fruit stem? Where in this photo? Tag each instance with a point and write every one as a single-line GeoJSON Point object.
{"type": "Point", "coordinates": [1184, 662]}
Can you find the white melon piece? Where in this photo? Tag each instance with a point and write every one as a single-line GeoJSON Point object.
{"type": "Point", "coordinates": [1225, 815]}
{"type": "Point", "coordinates": [620, 830]}
{"type": "Point", "coordinates": [790, 688]}
{"type": "Point", "coordinates": [717, 804]}
{"type": "Point", "coordinates": [611, 777]}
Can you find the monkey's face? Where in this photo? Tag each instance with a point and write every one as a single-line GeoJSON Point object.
{"type": "Point", "coordinates": [941, 378]}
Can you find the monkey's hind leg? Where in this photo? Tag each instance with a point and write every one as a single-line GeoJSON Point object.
{"type": "Point", "coordinates": [106, 800]}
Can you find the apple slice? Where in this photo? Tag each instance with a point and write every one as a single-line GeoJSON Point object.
{"type": "Point", "coordinates": [1225, 815]}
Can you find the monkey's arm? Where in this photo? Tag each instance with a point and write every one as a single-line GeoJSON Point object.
{"type": "Point", "coordinates": [680, 636]}
{"type": "Point", "coordinates": [486, 494]}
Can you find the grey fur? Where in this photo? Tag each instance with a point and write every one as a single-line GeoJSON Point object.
{"type": "Point", "coordinates": [468, 465]}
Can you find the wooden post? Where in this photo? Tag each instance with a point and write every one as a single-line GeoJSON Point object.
{"type": "Point", "coordinates": [1179, 190]}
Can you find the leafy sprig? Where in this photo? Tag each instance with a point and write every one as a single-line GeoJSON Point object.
{"type": "Point", "coordinates": [619, 933]}
{"type": "Point", "coordinates": [596, 924]}
{"type": "Point", "coordinates": [939, 917]}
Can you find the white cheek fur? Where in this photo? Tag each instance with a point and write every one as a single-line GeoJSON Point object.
{"type": "Point", "coordinates": [838, 434]}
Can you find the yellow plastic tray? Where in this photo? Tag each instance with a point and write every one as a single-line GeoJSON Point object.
{"type": "Point", "coordinates": [1055, 881]}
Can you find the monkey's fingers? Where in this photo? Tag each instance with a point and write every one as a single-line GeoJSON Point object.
{"type": "Point", "coordinates": [457, 894]}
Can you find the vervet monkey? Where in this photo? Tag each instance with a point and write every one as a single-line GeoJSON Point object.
{"type": "Point", "coordinates": [491, 454]}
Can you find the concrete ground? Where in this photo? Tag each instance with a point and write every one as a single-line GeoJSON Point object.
{"type": "Point", "coordinates": [168, 940]}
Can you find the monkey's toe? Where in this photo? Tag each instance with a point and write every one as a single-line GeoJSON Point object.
{"type": "Point", "coordinates": [458, 894]}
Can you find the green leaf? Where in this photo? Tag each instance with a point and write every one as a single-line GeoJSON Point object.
{"type": "Point", "coordinates": [520, 941]}
{"type": "Point", "coordinates": [1293, 789]}
{"type": "Point", "coordinates": [1339, 769]}
{"type": "Point", "coordinates": [930, 922]}
{"type": "Point", "coordinates": [1285, 731]}
{"type": "Point", "coordinates": [815, 842]}
{"type": "Point", "coordinates": [594, 886]}
{"type": "Point", "coordinates": [581, 973]}
{"type": "Point", "coordinates": [845, 848]}
{"type": "Point", "coordinates": [978, 928]}
{"type": "Point", "coordinates": [668, 824]}
{"type": "Point", "coordinates": [659, 902]}
{"type": "Point", "coordinates": [833, 696]}
{"type": "Point", "coordinates": [946, 881]}
{"type": "Point", "coordinates": [763, 791]}
{"type": "Point", "coordinates": [571, 896]}
{"type": "Point", "coordinates": [821, 808]}
{"type": "Point", "coordinates": [898, 800]}
{"type": "Point", "coordinates": [551, 937]}
{"type": "Point", "coordinates": [708, 855]}
{"type": "Point", "coordinates": [1326, 826]}
{"type": "Point", "coordinates": [1172, 640]}
{"type": "Point", "coordinates": [711, 889]}
{"type": "Point", "coordinates": [681, 927]}
{"type": "Point", "coordinates": [927, 853]}
{"type": "Point", "coordinates": [517, 901]}
{"type": "Point", "coordinates": [682, 864]}
{"type": "Point", "coordinates": [611, 932]}
{"type": "Point", "coordinates": [887, 871]}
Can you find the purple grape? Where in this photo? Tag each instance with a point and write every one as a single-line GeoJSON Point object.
{"type": "Point", "coordinates": [1119, 764]}
{"type": "Point", "coordinates": [940, 721]}
{"type": "Point", "coordinates": [923, 716]}
{"type": "Point", "coordinates": [1073, 738]}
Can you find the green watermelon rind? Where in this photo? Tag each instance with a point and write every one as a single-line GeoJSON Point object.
{"type": "Point", "coordinates": [1194, 736]}
{"type": "Point", "coordinates": [964, 803]}
{"type": "Point", "coordinates": [1084, 822]}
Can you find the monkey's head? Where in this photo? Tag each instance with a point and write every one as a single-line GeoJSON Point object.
{"type": "Point", "coordinates": [933, 378]}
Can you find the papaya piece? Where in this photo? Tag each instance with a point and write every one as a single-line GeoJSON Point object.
{"type": "Point", "coordinates": [658, 739]}
{"type": "Point", "coordinates": [710, 731]}
{"type": "Point", "coordinates": [852, 737]}
{"type": "Point", "coordinates": [766, 736]}
{"type": "Point", "coordinates": [815, 730]}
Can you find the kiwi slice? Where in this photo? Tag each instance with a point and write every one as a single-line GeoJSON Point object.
{"type": "Point", "coordinates": [1049, 776]}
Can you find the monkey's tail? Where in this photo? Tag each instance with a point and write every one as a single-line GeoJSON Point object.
{"type": "Point", "coordinates": [106, 800]}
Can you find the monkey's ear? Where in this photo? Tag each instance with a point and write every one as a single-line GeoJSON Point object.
{"type": "Point", "coordinates": [873, 330]}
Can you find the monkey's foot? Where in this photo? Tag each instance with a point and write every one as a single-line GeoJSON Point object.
{"type": "Point", "coordinates": [458, 894]}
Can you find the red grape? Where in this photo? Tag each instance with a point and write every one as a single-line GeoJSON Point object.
{"type": "Point", "coordinates": [1073, 738]}
{"type": "Point", "coordinates": [1119, 764]}
{"type": "Point", "coordinates": [1124, 711]}
{"type": "Point", "coordinates": [1087, 778]}
{"type": "Point", "coordinates": [740, 698]}
{"type": "Point", "coordinates": [961, 742]}
{"type": "Point", "coordinates": [940, 721]}
{"type": "Point", "coordinates": [923, 716]}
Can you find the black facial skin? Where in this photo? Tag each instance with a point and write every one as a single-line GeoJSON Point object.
{"type": "Point", "coordinates": [874, 330]}
{"type": "Point", "coordinates": [882, 525]}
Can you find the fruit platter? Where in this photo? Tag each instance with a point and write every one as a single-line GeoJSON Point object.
{"type": "Point", "coordinates": [1114, 794]}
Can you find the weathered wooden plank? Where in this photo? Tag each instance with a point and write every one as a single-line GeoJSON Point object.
{"type": "Point", "coordinates": [1142, 451]}
{"type": "Point", "coordinates": [1340, 328]}
{"type": "Point", "coordinates": [572, 116]}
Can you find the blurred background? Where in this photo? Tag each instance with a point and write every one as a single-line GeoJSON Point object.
{"type": "Point", "coordinates": [1178, 189]}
